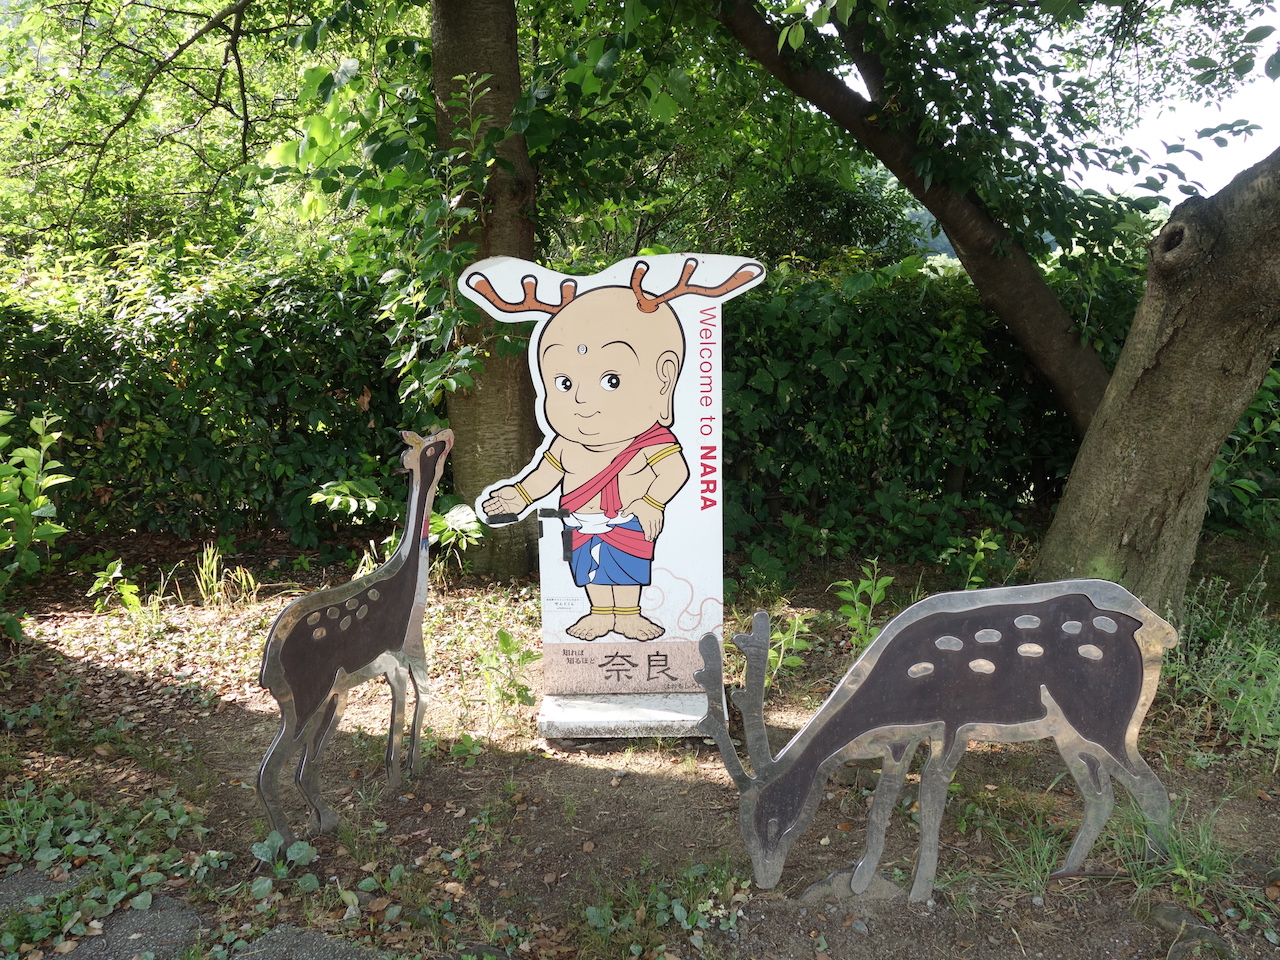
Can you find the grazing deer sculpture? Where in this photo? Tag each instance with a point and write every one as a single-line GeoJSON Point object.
{"type": "Point", "coordinates": [327, 642]}
{"type": "Point", "coordinates": [1076, 660]}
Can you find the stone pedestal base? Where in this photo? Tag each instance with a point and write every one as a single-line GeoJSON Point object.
{"type": "Point", "coordinates": [622, 715]}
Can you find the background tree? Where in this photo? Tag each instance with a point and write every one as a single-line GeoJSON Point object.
{"type": "Point", "coordinates": [493, 418]}
{"type": "Point", "coordinates": [957, 108]}
{"type": "Point", "coordinates": [1203, 339]}
{"type": "Point", "coordinates": [135, 121]}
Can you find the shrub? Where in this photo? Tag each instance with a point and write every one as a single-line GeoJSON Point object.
{"type": "Point", "coordinates": [870, 416]}
{"type": "Point", "coordinates": [201, 394]}
{"type": "Point", "coordinates": [27, 528]}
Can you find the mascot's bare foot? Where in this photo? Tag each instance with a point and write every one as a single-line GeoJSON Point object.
{"type": "Point", "coordinates": [635, 627]}
{"type": "Point", "coordinates": [592, 627]}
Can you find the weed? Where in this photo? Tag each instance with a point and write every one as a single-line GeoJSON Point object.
{"type": "Point", "coordinates": [503, 667]}
{"type": "Point", "coordinates": [112, 583]}
{"type": "Point", "coordinates": [467, 748]}
{"type": "Point", "coordinates": [280, 861]}
{"type": "Point", "coordinates": [1199, 872]}
{"type": "Point", "coordinates": [1225, 673]}
{"type": "Point", "coordinates": [978, 561]}
{"type": "Point", "coordinates": [373, 557]}
{"type": "Point", "coordinates": [1031, 850]}
{"type": "Point", "coordinates": [244, 586]}
{"type": "Point", "coordinates": [123, 854]}
{"type": "Point", "coordinates": [784, 644]}
{"type": "Point", "coordinates": [27, 530]}
{"type": "Point", "coordinates": [638, 917]}
{"type": "Point", "coordinates": [209, 579]}
{"type": "Point", "coordinates": [860, 603]}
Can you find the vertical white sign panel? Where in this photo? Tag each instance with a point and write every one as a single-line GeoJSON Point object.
{"type": "Point", "coordinates": [627, 483]}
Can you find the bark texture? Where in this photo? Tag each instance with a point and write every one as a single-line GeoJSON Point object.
{"type": "Point", "coordinates": [1009, 282]}
{"type": "Point", "coordinates": [494, 421]}
{"type": "Point", "coordinates": [1204, 336]}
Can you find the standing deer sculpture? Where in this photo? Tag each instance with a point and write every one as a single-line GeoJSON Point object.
{"type": "Point", "coordinates": [327, 642]}
{"type": "Point", "coordinates": [1075, 660]}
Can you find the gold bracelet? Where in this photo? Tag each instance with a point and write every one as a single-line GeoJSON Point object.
{"type": "Point", "coordinates": [664, 452]}
{"type": "Point", "coordinates": [627, 611]}
{"type": "Point", "coordinates": [524, 494]}
{"type": "Point", "coordinates": [654, 503]}
{"type": "Point", "coordinates": [604, 611]}
{"type": "Point", "coordinates": [553, 461]}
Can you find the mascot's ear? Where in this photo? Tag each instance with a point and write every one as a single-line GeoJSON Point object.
{"type": "Point", "coordinates": [668, 374]}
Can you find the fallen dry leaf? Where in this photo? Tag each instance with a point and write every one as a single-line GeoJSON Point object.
{"type": "Point", "coordinates": [1273, 891]}
{"type": "Point", "coordinates": [66, 946]}
{"type": "Point", "coordinates": [380, 904]}
{"type": "Point", "coordinates": [588, 846]}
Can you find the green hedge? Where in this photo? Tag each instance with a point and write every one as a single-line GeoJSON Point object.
{"type": "Point", "coordinates": [885, 414]}
{"type": "Point", "coordinates": [200, 395]}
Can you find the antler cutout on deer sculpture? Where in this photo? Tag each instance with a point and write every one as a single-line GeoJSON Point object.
{"type": "Point", "coordinates": [327, 642]}
{"type": "Point", "coordinates": [1076, 660]}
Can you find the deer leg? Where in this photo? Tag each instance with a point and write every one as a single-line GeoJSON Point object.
{"type": "Point", "coordinates": [1152, 799]}
{"type": "Point", "coordinates": [893, 771]}
{"type": "Point", "coordinates": [933, 798]}
{"type": "Point", "coordinates": [418, 675]}
{"type": "Point", "coordinates": [323, 818]}
{"type": "Point", "coordinates": [397, 677]}
{"type": "Point", "coordinates": [1093, 779]}
{"type": "Point", "coordinates": [282, 749]}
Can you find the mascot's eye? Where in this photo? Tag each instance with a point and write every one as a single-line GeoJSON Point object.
{"type": "Point", "coordinates": [611, 381]}
{"type": "Point", "coordinates": [564, 384]}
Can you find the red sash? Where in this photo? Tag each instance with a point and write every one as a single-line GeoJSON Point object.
{"type": "Point", "coordinates": [606, 481]}
{"type": "Point", "coordinates": [631, 542]}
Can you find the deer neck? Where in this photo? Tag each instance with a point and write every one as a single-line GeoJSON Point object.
{"type": "Point", "coordinates": [817, 747]}
{"type": "Point", "coordinates": [413, 544]}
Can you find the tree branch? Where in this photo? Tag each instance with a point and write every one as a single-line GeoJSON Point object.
{"type": "Point", "coordinates": [1008, 280]}
{"type": "Point", "coordinates": [231, 10]}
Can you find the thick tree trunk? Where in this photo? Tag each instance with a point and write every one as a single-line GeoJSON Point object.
{"type": "Point", "coordinates": [1009, 282]}
{"type": "Point", "coordinates": [1202, 341]}
{"type": "Point", "coordinates": [494, 421]}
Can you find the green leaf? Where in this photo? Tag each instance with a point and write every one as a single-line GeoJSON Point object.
{"type": "Point", "coordinates": [141, 902]}
{"type": "Point", "coordinates": [1272, 67]}
{"type": "Point", "coordinates": [1259, 33]}
{"type": "Point", "coordinates": [308, 883]}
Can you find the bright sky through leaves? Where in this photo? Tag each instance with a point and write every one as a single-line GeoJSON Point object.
{"type": "Point", "coordinates": [1257, 102]}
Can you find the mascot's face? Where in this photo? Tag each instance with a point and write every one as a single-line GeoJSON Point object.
{"type": "Point", "coordinates": [608, 370]}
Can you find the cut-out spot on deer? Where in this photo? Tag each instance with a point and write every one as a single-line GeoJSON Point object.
{"type": "Point", "coordinates": [327, 642]}
{"type": "Point", "coordinates": [1076, 660]}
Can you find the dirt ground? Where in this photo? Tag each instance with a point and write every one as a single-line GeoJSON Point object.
{"type": "Point", "coordinates": [529, 840]}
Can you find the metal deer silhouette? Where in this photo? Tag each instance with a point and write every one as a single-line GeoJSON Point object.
{"type": "Point", "coordinates": [1075, 660]}
{"type": "Point", "coordinates": [327, 642]}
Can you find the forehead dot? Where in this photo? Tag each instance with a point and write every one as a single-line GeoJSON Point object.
{"type": "Point", "coordinates": [582, 348]}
